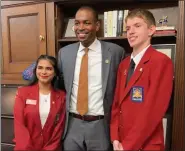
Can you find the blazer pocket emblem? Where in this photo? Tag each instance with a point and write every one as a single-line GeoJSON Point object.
{"type": "Point", "coordinates": [31, 102]}
{"type": "Point", "coordinates": [137, 94]}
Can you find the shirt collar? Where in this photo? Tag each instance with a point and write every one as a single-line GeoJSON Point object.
{"type": "Point", "coordinates": [138, 57]}
{"type": "Point", "coordinates": [93, 46]}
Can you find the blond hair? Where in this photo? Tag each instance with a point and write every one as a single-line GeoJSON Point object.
{"type": "Point", "coordinates": [146, 15]}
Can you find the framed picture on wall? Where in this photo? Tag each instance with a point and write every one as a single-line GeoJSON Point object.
{"type": "Point", "coordinates": [69, 31]}
{"type": "Point", "coordinates": [167, 49]}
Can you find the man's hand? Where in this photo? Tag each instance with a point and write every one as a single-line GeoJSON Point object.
{"type": "Point", "coordinates": [117, 146]}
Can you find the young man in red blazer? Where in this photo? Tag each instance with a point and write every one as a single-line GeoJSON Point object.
{"type": "Point", "coordinates": [143, 90]}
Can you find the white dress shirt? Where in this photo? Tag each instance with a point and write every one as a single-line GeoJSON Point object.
{"type": "Point", "coordinates": [138, 57]}
{"type": "Point", "coordinates": [95, 100]}
{"type": "Point", "coordinates": [44, 107]}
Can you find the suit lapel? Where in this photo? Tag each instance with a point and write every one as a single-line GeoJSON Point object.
{"type": "Point", "coordinates": [106, 60]}
{"type": "Point", "coordinates": [125, 72]}
{"type": "Point", "coordinates": [137, 73]}
{"type": "Point", "coordinates": [132, 81]}
{"type": "Point", "coordinates": [72, 62]}
{"type": "Point", "coordinates": [34, 94]}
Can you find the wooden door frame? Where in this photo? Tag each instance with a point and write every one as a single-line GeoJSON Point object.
{"type": "Point", "coordinates": [178, 137]}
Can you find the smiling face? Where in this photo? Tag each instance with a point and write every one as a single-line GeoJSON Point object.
{"type": "Point", "coordinates": [86, 26]}
{"type": "Point", "coordinates": [139, 33]}
{"type": "Point", "coordinates": [45, 71]}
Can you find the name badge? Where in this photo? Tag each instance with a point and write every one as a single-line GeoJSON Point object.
{"type": "Point", "coordinates": [137, 94]}
{"type": "Point", "coordinates": [31, 102]}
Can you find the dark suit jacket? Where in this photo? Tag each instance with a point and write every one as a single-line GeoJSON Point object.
{"type": "Point", "coordinates": [137, 115]}
{"type": "Point", "coordinates": [111, 52]}
{"type": "Point", "coordinates": [29, 134]}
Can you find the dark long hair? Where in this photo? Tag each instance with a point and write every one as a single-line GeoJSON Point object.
{"type": "Point", "coordinates": [53, 61]}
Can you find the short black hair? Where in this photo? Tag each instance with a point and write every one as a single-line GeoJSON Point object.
{"type": "Point", "coordinates": [95, 14]}
{"type": "Point", "coordinates": [53, 61]}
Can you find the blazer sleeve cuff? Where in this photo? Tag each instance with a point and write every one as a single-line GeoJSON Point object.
{"type": "Point", "coordinates": [114, 134]}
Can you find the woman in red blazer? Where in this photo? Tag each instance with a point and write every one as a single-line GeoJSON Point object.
{"type": "Point", "coordinates": [39, 110]}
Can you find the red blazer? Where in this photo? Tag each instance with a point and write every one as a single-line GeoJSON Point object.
{"type": "Point", "coordinates": [138, 108]}
{"type": "Point", "coordinates": [29, 134]}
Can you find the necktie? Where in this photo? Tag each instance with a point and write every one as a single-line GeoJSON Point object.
{"type": "Point", "coordinates": [82, 96]}
{"type": "Point", "coordinates": [131, 70]}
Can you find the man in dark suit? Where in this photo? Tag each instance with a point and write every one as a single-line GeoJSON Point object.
{"type": "Point", "coordinates": [89, 69]}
